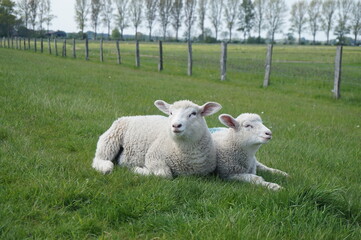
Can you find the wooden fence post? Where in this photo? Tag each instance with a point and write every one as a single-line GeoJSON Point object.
{"type": "Point", "coordinates": [190, 58]}
{"type": "Point", "coordinates": [118, 52]}
{"type": "Point", "coordinates": [160, 64]}
{"type": "Point", "coordinates": [101, 50]}
{"type": "Point", "coordinates": [29, 43]}
{"type": "Point", "coordinates": [86, 49]}
{"type": "Point", "coordinates": [41, 45]}
{"type": "Point", "coordinates": [223, 61]}
{"type": "Point", "coordinates": [19, 39]}
{"type": "Point", "coordinates": [56, 47]}
{"type": "Point", "coordinates": [268, 65]}
{"type": "Point", "coordinates": [64, 48]}
{"type": "Point", "coordinates": [337, 80]}
{"type": "Point", "coordinates": [35, 47]}
{"type": "Point", "coordinates": [137, 58]}
{"type": "Point", "coordinates": [74, 52]}
{"type": "Point", "coordinates": [12, 42]}
{"type": "Point", "coordinates": [49, 46]}
{"type": "Point", "coordinates": [24, 44]}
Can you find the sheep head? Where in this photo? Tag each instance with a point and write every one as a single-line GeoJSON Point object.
{"type": "Point", "coordinates": [249, 128]}
{"type": "Point", "coordinates": [187, 118]}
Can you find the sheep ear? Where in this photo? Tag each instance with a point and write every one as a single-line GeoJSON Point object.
{"type": "Point", "coordinates": [163, 106]}
{"type": "Point", "coordinates": [210, 108]}
{"type": "Point", "coordinates": [228, 121]}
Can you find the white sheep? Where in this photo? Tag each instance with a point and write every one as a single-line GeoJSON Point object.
{"type": "Point", "coordinates": [236, 148]}
{"type": "Point", "coordinates": [165, 146]}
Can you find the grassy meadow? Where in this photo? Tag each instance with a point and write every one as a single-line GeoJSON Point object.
{"type": "Point", "coordinates": [53, 109]}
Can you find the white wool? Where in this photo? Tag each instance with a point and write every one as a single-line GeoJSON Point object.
{"type": "Point", "coordinates": [167, 146]}
{"type": "Point", "coordinates": [236, 148]}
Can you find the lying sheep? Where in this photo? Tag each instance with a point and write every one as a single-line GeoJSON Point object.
{"type": "Point", "coordinates": [236, 148]}
{"type": "Point", "coordinates": [178, 145]}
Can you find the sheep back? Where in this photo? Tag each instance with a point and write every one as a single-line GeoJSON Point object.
{"type": "Point", "coordinates": [138, 133]}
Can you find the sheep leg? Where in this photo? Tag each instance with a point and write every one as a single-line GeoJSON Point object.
{"type": "Point", "coordinates": [108, 147]}
{"type": "Point", "coordinates": [263, 167]}
{"type": "Point", "coordinates": [162, 172]}
{"type": "Point", "coordinates": [252, 178]}
{"type": "Point", "coordinates": [154, 166]}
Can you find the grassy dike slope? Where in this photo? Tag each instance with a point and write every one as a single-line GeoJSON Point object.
{"type": "Point", "coordinates": [52, 111]}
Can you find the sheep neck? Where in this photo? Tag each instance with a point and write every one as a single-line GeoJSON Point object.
{"type": "Point", "coordinates": [250, 149]}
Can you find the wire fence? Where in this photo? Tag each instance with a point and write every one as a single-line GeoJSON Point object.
{"type": "Point", "coordinates": [245, 63]}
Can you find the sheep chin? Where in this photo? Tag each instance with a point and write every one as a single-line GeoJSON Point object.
{"type": "Point", "coordinates": [265, 139]}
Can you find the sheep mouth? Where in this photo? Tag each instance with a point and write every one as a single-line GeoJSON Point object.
{"type": "Point", "coordinates": [176, 131]}
{"type": "Point", "coordinates": [267, 138]}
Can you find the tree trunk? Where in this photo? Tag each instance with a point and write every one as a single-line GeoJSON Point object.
{"type": "Point", "coordinates": [150, 34]}
{"type": "Point", "coordinates": [328, 37]}
{"type": "Point", "coordinates": [230, 35]}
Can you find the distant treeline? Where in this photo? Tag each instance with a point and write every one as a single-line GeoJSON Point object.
{"type": "Point", "coordinates": [196, 20]}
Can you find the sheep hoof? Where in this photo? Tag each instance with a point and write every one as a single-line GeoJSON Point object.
{"type": "Point", "coordinates": [103, 166]}
{"type": "Point", "coordinates": [281, 173]}
{"type": "Point", "coordinates": [274, 187]}
{"type": "Point", "coordinates": [142, 171]}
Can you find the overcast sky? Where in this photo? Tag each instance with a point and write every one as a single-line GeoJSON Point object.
{"type": "Point", "coordinates": [64, 12]}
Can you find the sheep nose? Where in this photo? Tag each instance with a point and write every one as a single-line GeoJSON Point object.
{"type": "Point", "coordinates": [269, 133]}
{"type": "Point", "coordinates": [177, 125]}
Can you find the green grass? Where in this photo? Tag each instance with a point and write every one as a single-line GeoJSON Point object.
{"type": "Point", "coordinates": [52, 111]}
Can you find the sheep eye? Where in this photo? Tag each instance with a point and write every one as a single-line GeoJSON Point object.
{"type": "Point", "coordinates": [192, 114]}
{"type": "Point", "coordinates": [171, 113]}
{"type": "Point", "coordinates": [249, 126]}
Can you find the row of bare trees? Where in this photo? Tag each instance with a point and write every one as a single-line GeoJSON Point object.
{"type": "Point", "coordinates": [35, 13]}
{"type": "Point", "coordinates": [340, 16]}
{"type": "Point", "coordinates": [136, 12]}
